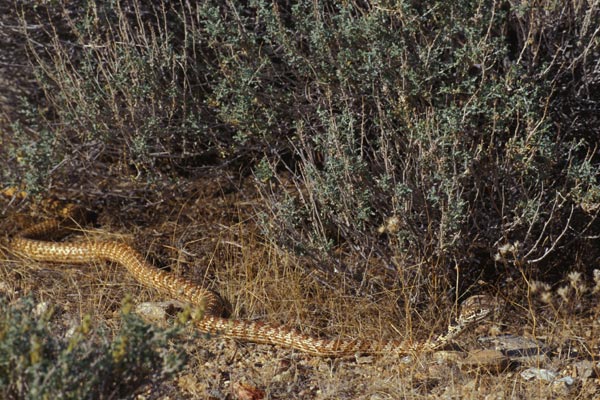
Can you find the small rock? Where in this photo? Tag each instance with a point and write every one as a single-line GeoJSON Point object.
{"type": "Point", "coordinates": [538, 373]}
{"type": "Point", "coordinates": [158, 311]}
{"type": "Point", "coordinates": [568, 380]}
{"type": "Point", "coordinates": [488, 360]}
{"type": "Point", "coordinates": [41, 308]}
{"type": "Point", "coordinates": [518, 348]}
{"type": "Point", "coordinates": [585, 369]}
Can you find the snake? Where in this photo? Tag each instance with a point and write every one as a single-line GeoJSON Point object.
{"type": "Point", "coordinates": [40, 242]}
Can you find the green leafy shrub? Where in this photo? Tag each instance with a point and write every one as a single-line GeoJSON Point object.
{"type": "Point", "coordinates": [37, 364]}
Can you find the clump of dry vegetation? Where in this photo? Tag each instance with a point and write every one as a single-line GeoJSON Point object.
{"type": "Point", "coordinates": [399, 153]}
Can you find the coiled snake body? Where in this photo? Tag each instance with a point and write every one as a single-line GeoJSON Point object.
{"type": "Point", "coordinates": [34, 243]}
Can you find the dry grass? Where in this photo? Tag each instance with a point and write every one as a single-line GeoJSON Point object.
{"type": "Point", "coordinates": [212, 239]}
{"type": "Point", "coordinates": [487, 145]}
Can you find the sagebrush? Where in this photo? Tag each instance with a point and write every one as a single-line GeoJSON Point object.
{"type": "Point", "coordinates": [470, 125]}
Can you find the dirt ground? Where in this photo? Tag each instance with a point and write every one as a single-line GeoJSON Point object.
{"type": "Point", "coordinates": [208, 232]}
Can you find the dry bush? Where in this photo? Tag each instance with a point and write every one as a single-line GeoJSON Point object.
{"type": "Point", "coordinates": [407, 149]}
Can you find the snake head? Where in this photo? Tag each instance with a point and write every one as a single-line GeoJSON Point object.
{"type": "Point", "coordinates": [477, 308]}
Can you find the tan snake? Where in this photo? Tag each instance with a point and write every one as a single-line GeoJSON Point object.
{"type": "Point", "coordinates": [34, 243]}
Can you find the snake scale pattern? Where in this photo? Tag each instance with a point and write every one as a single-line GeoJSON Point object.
{"type": "Point", "coordinates": [37, 243]}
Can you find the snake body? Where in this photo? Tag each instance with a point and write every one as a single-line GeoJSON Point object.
{"type": "Point", "coordinates": [34, 243]}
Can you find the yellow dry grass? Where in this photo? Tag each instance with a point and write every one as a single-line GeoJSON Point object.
{"type": "Point", "coordinates": [214, 240]}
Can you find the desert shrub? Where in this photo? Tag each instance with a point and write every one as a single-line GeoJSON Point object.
{"type": "Point", "coordinates": [35, 363]}
{"type": "Point", "coordinates": [447, 119]}
{"type": "Point", "coordinates": [462, 129]}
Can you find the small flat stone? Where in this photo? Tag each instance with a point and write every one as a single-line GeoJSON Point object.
{"type": "Point", "coordinates": [159, 311]}
{"type": "Point", "coordinates": [518, 348]}
{"type": "Point", "coordinates": [541, 374]}
{"type": "Point", "coordinates": [486, 360]}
